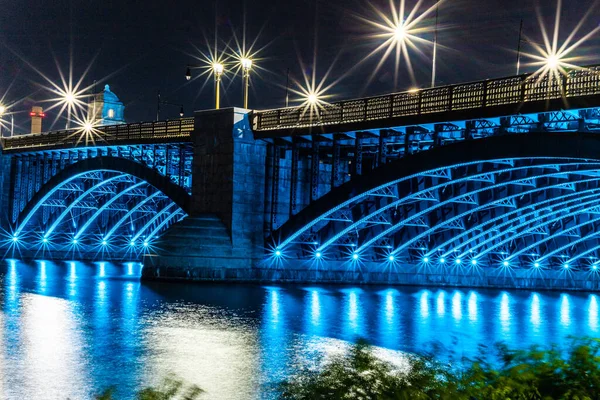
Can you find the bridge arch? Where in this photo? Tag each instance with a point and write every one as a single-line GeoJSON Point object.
{"type": "Point", "coordinates": [513, 200]}
{"type": "Point", "coordinates": [101, 201]}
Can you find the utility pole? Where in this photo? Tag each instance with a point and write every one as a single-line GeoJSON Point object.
{"type": "Point", "coordinates": [519, 48]}
{"type": "Point", "coordinates": [157, 105]}
{"type": "Point", "coordinates": [435, 40]}
{"type": "Point", "coordinates": [287, 89]}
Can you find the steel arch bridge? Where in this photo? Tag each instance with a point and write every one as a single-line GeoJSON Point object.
{"type": "Point", "coordinates": [512, 202]}
{"type": "Point", "coordinates": [113, 207]}
{"type": "Point", "coordinates": [499, 175]}
{"type": "Point", "coordinates": [105, 201]}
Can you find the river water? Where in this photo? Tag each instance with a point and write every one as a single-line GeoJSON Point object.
{"type": "Point", "coordinates": [70, 329]}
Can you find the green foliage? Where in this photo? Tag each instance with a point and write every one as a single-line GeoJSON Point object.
{"type": "Point", "coordinates": [361, 375]}
{"type": "Point", "coordinates": [536, 373]}
{"type": "Point", "coordinates": [170, 389]}
{"type": "Point", "coordinates": [533, 374]}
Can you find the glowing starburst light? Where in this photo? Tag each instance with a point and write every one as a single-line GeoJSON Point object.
{"type": "Point", "coordinates": [246, 63]}
{"type": "Point", "coordinates": [312, 95]}
{"type": "Point", "coordinates": [218, 68]}
{"type": "Point", "coordinates": [402, 31]}
{"type": "Point", "coordinates": [87, 131]}
{"type": "Point", "coordinates": [213, 63]}
{"type": "Point", "coordinates": [68, 96]}
{"type": "Point", "coordinates": [553, 59]}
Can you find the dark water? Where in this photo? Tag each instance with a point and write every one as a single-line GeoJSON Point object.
{"type": "Point", "coordinates": [70, 329]}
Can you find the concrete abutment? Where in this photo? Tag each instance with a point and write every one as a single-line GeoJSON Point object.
{"type": "Point", "coordinates": [225, 226]}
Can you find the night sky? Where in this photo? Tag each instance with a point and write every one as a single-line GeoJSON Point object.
{"type": "Point", "coordinates": [144, 46]}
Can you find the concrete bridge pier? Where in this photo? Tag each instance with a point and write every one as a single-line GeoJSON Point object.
{"type": "Point", "coordinates": [224, 230]}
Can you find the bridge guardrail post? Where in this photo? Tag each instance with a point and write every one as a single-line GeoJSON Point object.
{"type": "Point", "coordinates": [485, 91]}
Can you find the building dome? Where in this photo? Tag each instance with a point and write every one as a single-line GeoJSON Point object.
{"type": "Point", "coordinates": [107, 108]}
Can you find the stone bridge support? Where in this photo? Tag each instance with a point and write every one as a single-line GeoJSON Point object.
{"type": "Point", "coordinates": [225, 228]}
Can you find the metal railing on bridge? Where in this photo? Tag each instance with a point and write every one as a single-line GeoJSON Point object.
{"type": "Point", "coordinates": [475, 95]}
{"type": "Point", "coordinates": [103, 135]}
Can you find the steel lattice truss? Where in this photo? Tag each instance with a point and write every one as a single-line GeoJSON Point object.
{"type": "Point", "coordinates": [103, 210]}
{"type": "Point", "coordinates": [31, 170]}
{"type": "Point", "coordinates": [511, 213]}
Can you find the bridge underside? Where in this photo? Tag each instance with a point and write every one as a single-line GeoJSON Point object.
{"type": "Point", "coordinates": [102, 207]}
{"type": "Point", "coordinates": [501, 209]}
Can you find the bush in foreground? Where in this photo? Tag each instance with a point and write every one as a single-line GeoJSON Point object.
{"type": "Point", "coordinates": [170, 389]}
{"type": "Point", "coordinates": [573, 374]}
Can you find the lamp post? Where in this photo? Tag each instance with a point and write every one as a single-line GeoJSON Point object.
{"type": "Point", "coordinates": [159, 102]}
{"type": "Point", "coordinates": [69, 100]}
{"type": "Point", "coordinates": [218, 70]}
{"type": "Point", "coordinates": [2, 111]}
{"type": "Point", "coordinates": [519, 48]}
{"type": "Point", "coordinates": [435, 42]}
{"type": "Point", "coordinates": [246, 65]}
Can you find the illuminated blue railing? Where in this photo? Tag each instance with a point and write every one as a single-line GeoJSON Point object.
{"type": "Point", "coordinates": [468, 96]}
{"type": "Point", "coordinates": [103, 136]}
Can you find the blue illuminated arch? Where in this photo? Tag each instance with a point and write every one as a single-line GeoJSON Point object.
{"type": "Point", "coordinates": [153, 220]}
{"type": "Point", "coordinates": [164, 222]}
{"type": "Point", "coordinates": [571, 244]}
{"type": "Point", "coordinates": [123, 169]}
{"type": "Point", "coordinates": [420, 196]}
{"type": "Point", "coordinates": [129, 214]}
{"type": "Point", "coordinates": [104, 207]}
{"type": "Point", "coordinates": [413, 217]}
{"type": "Point", "coordinates": [68, 209]}
{"type": "Point", "coordinates": [495, 199]}
{"type": "Point", "coordinates": [430, 231]}
{"type": "Point", "coordinates": [467, 232]}
{"type": "Point", "coordinates": [37, 203]}
{"type": "Point", "coordinates": [571, 146]}
{"type": "Point", "coordinates": [494, 245]}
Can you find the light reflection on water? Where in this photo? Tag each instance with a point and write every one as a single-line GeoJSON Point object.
{"type": "Point", "coordinates": [70, 329]}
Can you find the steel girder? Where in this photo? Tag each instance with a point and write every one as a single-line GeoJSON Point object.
{"type": "Point", "coordinates": [503, 204]}
{"type": "Point", "coordinates": [483, 230]}
{"type": "Point", "coordinates": [32, 169]}
{"type": "Point", "coordinates": [509, 219]}
{"type": "Point", "coordinates": [130, 213]}
{"type": "Point", "coordinates": [89, 214]}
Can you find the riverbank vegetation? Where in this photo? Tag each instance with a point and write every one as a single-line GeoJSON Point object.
{"type": "Point", "coordinates": [171, 388]}
{"type": "Point", "coordinates": [568, 373]}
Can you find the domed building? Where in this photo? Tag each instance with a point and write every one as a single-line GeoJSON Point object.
{"type": "Point", "coordinates": [107, 108]}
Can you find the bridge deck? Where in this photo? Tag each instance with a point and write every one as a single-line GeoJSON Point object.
{"type": "Point", "coordinates": [138, 133]}
{"type": "Point", "coordinates": [484, 99]}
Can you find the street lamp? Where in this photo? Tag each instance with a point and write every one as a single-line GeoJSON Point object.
{"type": "Point", "coordinates": [69, 99]}
{"type": "Point", "coordinates": [3, 110]}
{"type": "Point", "coordinates": [218, 70]}
{"type": "Point", "coordinates": [552, 62]}
{"type": "Point", "coordinates": [246, 65]}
